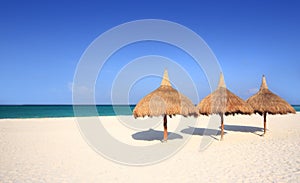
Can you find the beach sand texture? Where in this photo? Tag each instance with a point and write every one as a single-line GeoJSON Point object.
{"type": "Point", "coordinates": [52, 150]}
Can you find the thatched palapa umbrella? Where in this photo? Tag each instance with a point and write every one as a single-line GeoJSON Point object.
{"type": "Point", "coordinates": [222, 101]}
{"type": "Point", "coordinates": [265, 102]}
{"type": "Point", "coordinates": [165, 101]}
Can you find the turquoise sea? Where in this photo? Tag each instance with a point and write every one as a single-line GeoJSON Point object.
{"type": "Point", "coordinates": [51, 111]}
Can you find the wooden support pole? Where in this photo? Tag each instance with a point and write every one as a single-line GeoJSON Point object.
{"type": "Point", "coordinates": [265, 122]}
{"type": "Point", "coordinates": [165, 128]}
{"type": "Point", "coordinates": [222, 125]}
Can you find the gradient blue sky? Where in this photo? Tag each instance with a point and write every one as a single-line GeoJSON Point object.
{"type": "Point", "coordinates": [42, 42]}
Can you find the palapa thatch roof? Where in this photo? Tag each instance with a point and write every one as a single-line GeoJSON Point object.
{"type": "Point", "coordinates": [264, 101]}
{"type": "Point", "coordinates": [165, 100]}
{"type": "Point", "coordinates": [223, 101]}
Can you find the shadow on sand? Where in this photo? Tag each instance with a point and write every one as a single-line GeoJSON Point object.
{"type": "Point", "coordinates": [213, 132]}
{"type": "Point", "coordinates": [202, 132]}
{"type": "Point", "coordinates": [247, 129]}
{"type": "Point", "coordinates": [151, 135]}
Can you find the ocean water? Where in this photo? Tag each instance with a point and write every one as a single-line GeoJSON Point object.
{"type": "Point", "coordinates": [51, 111]}
{"type": "Point", "coordinates": [296, 107]}
{"type": "Point", "coordinates": [48, 111]}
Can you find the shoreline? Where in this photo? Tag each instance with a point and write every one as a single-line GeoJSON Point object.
{"type": "Point", "coordinates": [1, 119]}
{"type": "Point", "coordinates": [61, 111]}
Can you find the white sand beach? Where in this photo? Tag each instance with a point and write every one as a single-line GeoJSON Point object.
{"type": "Point", "coordinates": [53, 150]}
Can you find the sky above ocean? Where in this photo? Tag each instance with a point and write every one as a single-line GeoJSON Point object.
{"type": "Point", "coordinates": [42, 43]}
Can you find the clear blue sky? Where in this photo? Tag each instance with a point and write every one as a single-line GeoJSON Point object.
{"type": "Point", "coordinates": [42, 42]}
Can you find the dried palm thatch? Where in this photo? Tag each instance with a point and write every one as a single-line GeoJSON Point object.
{"type": "Point", "coordinates": [222, 101]}
{"type": "Point", "coordinates": [165, 101]}
{"type": "Point", "coordinates": [265, 102]}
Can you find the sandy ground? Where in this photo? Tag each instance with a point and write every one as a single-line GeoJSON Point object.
{"type": "Point", "coordinates": [53, 150]}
